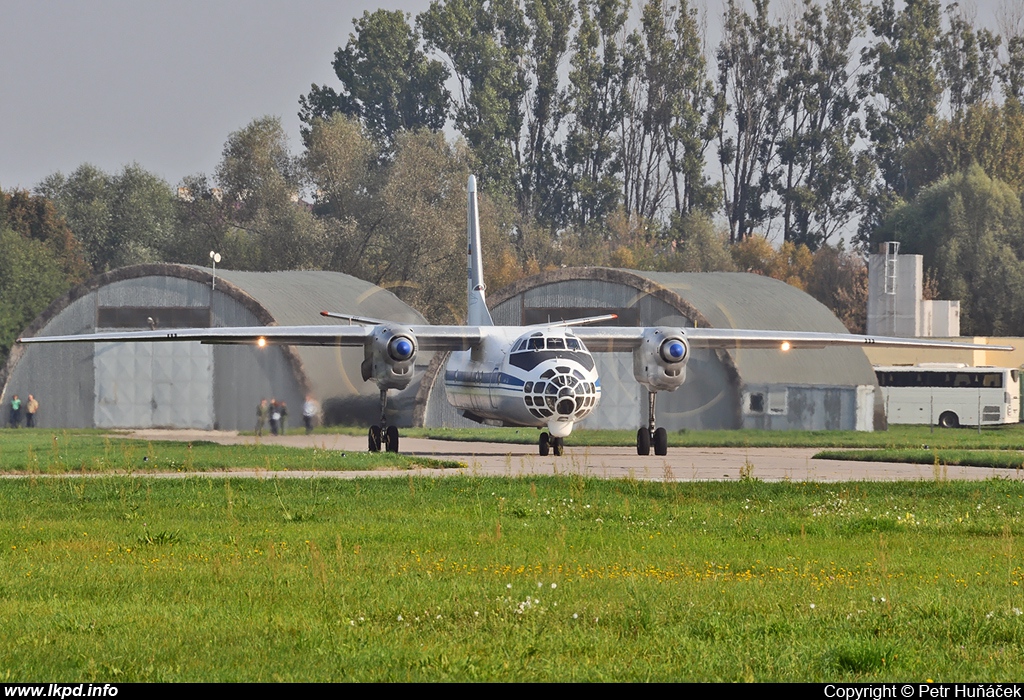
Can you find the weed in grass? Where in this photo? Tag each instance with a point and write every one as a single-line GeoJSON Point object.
{"type": "Point", "coordinates": [747, 471]}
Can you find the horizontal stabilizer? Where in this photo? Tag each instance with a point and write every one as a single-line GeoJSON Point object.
{"type": "Point", "coordinates": [577, 321]}
{"type": "Point", "coordinates": [354, 320]}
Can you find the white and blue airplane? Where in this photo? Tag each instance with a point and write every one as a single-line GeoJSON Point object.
{"type": "Point", "coordinates": [540, 376]}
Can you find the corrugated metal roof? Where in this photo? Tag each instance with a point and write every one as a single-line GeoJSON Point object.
{"type": "Point", "coordinates": [744, 300]}
{"type": "Point", "coordinates": [297, 297]}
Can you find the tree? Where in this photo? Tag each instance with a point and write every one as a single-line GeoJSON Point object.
{"type": "Point", "coordinates": [387, 81]}
{"type": "Point", "coordinates": [593, 105]}
{"type": "Point", "coordinates": [900, 80]}
{"type": "Point", "coordinates": [839, 280]}
{"type": "Point", "coordinates": [987, 135]}
{"type": "Point", "coordinates": [970, 229]}
{"type": "Point", "coordinates": [260, 183]}
{"type": "Point", "coordinates": [486, 43]}
{"type": "Point", "coordinates": [820, 172]}
{"type": "Point", "coordinates": [39, 260]}
{"type": "Point", "coordinates": [968, 59]}
{"type": "Point", "coordinates": [120, 219]}
{"type": "Point", "coordinates": [748, 69]}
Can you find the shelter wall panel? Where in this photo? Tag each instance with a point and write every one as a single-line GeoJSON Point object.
{"type": "Point", "coordinates": [59, 376]}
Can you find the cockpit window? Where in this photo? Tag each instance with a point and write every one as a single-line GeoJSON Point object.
{"type": "Point", "coordinates": [536, 344]}
{"type": "Point", "coordinates": [556, 344]}
{"type": "Point", "coordinates": [572, 343]}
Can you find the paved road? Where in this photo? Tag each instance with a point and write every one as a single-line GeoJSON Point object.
{"type": "Point", "coordinates": [681, 464]}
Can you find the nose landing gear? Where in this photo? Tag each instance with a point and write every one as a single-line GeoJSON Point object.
{"type": "Point", "coordinates": [551, 444]}
{"type": "Point", "coordinates": [383, 435]}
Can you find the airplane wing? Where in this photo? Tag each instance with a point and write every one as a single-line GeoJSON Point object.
{"type": "Point", "coordinates": [427, 337]}
{"type": "Point", "coordinates": [605, 339]}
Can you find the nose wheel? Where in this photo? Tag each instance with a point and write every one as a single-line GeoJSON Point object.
{"type": "Point", "coordinates": [651, 436]}
{"type": "Point", "coordinates": [383, 435]}
{"type": "Point", "coordinates": [548, 444]}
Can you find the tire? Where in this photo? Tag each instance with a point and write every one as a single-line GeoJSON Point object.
{"type": "Point", "coordinates": [661, 442]}
{"type": "Point", "coordinates": [558, 447]}
{"type": "Point", "coordinates": [544, 444]}
{"type": "Point", "coordinates": [391, 438]}
{"type": "Point", "coordinates": [643, 442]}
{"type": "Point", "coordinates": [949, 420]}
{"type": "Point", "coordinates": [373, 438]}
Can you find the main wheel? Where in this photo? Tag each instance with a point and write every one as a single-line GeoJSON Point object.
{"type": "Point", "coordinates": [661, 442]}
{"type": "Point", "coordinates": [949, 420]}
{"type": "Point", "coordinates": [545, 444]}
{"type": "Point", "coordinates": [391, 438]}
{"type": "Point", "coordinates": [558, 446]}
{"type": "Point", "coordinates": [373, 438]}
{"type": "Point", "coordinates": [643, 442]}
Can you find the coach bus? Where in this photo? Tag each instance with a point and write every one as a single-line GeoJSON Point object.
{"type": "Point", "coordinates": [949, 395]}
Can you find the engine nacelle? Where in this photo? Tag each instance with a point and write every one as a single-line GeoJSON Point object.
{"type": "Point", "coordinates": [660, 361]}
{"type": "Point", "coordinates": [389, 357]}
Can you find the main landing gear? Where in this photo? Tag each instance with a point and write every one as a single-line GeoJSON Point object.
{"type": "Point", "coordinates": [551, 444]}
{"type": "Point", "coordinates": [651, 435]}
{"type": "Point", "coordinates": [383, 435]}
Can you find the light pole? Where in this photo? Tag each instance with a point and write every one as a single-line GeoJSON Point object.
{"type": "Point", "coordinates": [215, 257]}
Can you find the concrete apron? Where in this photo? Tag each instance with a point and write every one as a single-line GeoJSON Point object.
{"type": "Point", "coordinates": [681, 464]}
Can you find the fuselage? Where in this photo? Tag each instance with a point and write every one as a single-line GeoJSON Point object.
{"type": "Point", "coordinates": [535, 377]}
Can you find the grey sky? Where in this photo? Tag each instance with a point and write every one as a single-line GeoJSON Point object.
{"type": "Point", "coordinates": [163, 84]}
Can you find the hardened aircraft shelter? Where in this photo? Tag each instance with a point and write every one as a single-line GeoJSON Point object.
{"type": "Point", "coordinates": [190, 385]}
{"type": "Point", "coordinates": [832, 388]}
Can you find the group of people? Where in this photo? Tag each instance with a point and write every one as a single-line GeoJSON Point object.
{"type": "Point", "coordinates": [275, 413]}
{"type": "Point", "coordinates": [30, 408]}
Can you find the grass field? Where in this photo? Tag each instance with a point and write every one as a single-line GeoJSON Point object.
{"type": "Point", "coordinates": [996, 459]}
{"type": "Point", "coordinates": [93, 451]}
{"type": "Point", "coordinates": [1008, 437]}
{"type": "Point", "coordinates": [562, 578]}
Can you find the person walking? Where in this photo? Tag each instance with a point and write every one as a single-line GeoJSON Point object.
{"type": "Point", "coordinates": [31, 409]}
{"type": "Point", "coordinates": [262, 409]}
{"type": "Point", "coordinates": [15, 419]}
{"type": "Point", "coordinates": [282, 408]}
{"type": "Point", "coordinates": [275, 417]}
{"type": "Point", "coordinates": [309, 411]}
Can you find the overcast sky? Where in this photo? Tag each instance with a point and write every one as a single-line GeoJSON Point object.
{"type": "Point", "coordinates": [110, 82]}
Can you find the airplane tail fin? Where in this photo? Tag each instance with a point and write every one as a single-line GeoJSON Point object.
{"type": "Point", "coordinates": [477, 315]}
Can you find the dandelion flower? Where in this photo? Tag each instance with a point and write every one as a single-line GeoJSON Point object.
{"type": "Point", "coordinates": [508, 586]}
{"type": "Point", "coordinates": [575, 616]}
{"type": "Point", "coordinates": [352, 622]}
{"type": "Point", "coordinates": [554, 585]}
{"type": "Point", "coordinates": [812, 606]}
{"type": "Point", "coordinates": [476, 613]}
{"type": "Point", "coordinates": [540, 585]}
{"type": "Point", "coordinates": [399, 618]}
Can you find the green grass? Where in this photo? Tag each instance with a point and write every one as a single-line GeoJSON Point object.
{"type": "Point", "coordinates": [1008, 437]}
{"type": "Point", "coordinates": [547, 579]}
{"type": "Point", "coordinates": [996, 459]}
{"type": "Point", "coordinates": [57, 452]}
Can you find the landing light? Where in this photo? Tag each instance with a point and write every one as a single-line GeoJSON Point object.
{"type": "Point", "coordinates": [785, 346]}
{"type": "Point", "coordinates": [262, 342]}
